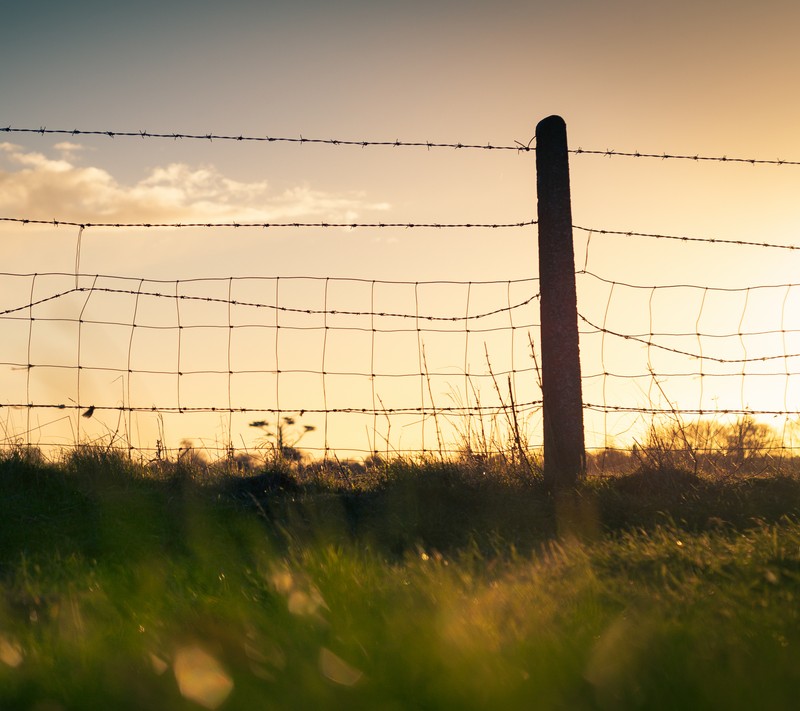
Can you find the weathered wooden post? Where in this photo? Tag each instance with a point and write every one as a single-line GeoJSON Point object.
{"type": "Point", "coordinates": [564, 449]}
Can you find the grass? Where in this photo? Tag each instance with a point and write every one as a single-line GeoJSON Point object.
{"type": "Point", "coordinates": [410, 585]}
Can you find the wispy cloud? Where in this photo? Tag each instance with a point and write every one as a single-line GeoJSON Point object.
{"type": "Point", "coordinates": [35, 186]}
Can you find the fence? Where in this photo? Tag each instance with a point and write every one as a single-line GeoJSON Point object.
{"type": "Point", "coordinates": [346, 367]}
{"type": "Point", "coordinates": [273, 349]}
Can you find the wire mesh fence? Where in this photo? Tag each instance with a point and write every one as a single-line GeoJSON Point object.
{"type": "Point", "coordinates": [698, 373]}
{"type": "Point", "coordinates": [344, 367]}
{"type": "Point", "coordinates": [350, 366]}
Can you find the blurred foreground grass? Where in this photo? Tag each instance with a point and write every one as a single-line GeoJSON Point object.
{"type": "Point", "coordinates": [407, 586]}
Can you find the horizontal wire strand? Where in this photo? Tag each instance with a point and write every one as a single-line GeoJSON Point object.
{"type": "Point", "coordinates": [517, 146]}
{"type": "Point", "coordinates": [272, 225]}
{"type": "Point", "coordinates": [684, 238]}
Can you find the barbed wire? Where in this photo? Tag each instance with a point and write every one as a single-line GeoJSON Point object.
{"type": "Point", "coordinates": [690, 354]}
{"type": "Point", "coordinates": [386, 225]}
{"type": "Point", "coordinates": [259, 305]}
{"type": "Point", "coordinates": [700, 412]}
{"type": "Point", "coordinates": [376, 329]}
{"type": "Point", "coordinates": [272, 225]}
{"type": "Point", "coordinates": [175, 409]}
{"type": "Point", "coordinates": [684, 238]}
{"type": "Point", "coordinates": [673, 156]}
{"type": "Point", "coordinates": [517, 146]}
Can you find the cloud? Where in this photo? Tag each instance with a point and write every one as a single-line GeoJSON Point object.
{"type": "Point", "coordinates": [44, 188]}
{"type": "Point", "coordinates": [68, 148]}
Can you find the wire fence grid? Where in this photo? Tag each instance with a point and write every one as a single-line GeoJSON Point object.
{"type": "Point", "coordinates": [706, 364]}
{"type": "Point", "coordinates": [354, 368]}
{"type": "Point", "coordinates": [302, 356]}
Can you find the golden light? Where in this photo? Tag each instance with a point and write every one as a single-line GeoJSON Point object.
{"type": "Point", "coordinates": [201, 677]}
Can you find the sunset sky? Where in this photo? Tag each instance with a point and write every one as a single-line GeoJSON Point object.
{"type": "Point", "coordinates": [708, 78]}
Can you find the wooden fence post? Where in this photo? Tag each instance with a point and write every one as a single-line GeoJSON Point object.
{"type": "Point", "coordinates": [564, 448]}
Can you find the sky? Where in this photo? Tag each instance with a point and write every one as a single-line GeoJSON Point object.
{"type": "Point", "coordinates": [707, 78]}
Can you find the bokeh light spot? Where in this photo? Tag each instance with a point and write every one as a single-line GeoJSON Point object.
{"type": "Point", "coordinates": [201, 678]}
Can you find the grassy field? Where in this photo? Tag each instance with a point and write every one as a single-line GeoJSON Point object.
{"type": "Point", "coordinates": [424, 585]}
